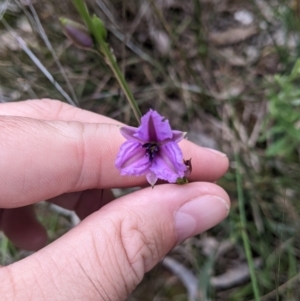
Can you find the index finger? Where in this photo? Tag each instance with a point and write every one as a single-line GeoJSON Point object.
{"type": "Point", "coordinates": [50, 109]}
{"type": "Point", "coordinates": [41, 159]}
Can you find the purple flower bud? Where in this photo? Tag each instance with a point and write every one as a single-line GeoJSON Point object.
{"type": "Point", "coordinates": [184, 180]}
{"type": "Point", "coordinates": [188, 164]}
{"type": "Point", "coordinates": [77, 33]}
{"type": "Point", "coordinates": [152, 150]}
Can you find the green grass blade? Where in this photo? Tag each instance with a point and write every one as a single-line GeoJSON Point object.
{"type": "Point", "coordinates": [244, 232]}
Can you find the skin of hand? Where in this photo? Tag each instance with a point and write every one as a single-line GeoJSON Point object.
{"type": "Point", "coordinates": [52, 151]}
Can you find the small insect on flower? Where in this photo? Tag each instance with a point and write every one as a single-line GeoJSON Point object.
{"type": "Point", "coordinates": [152, 150]}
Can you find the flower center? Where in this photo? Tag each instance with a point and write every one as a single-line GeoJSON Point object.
{"type": "Point", "coordinates": [151, 149]}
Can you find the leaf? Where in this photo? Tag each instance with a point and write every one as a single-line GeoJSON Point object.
{"type": "Point", "coordinates": [280, 147]}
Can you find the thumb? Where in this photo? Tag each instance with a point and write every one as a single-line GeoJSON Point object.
{"type": "Point", "coordinates": [107, 254]}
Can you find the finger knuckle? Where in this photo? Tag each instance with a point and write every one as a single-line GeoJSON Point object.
{"type": "Point", "coordinates": [139, 242]}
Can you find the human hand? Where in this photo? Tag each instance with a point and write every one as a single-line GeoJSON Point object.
{"type": "Point", "coordinates": [52, 151]}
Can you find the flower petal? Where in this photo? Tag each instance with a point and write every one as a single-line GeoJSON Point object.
{"type": "Point", "coordinates": [154, 128]}
{"type": "Point", "coordinates": [168, 163]}
{"type": "Point", "coordinates": [178, 136]}
{"type": "Point", "coordinates": [132, 160]}
{"type": "Point", "coordinates": [129, 132]}
{"type": "Point", "coordinates": [151, 178]}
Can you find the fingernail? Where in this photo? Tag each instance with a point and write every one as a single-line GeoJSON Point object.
{"type": "Point", "coordinates": [198, 215]}
{"type": "Point", "coordinates": [216, 152]}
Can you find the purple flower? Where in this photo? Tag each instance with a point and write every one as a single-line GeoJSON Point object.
{"type": "Point", "coordinates": [152, 149]}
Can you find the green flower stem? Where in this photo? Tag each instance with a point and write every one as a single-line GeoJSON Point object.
{"type": "Point", "coordinates": [122, 82]}
{"type": "Point", "coordinates": [111, 62]}
{"type": "Point", "coordinates": [244, 232]}
{"type": "Point", "coordinates": [82, 9]}
{"type": "Point", "coordinates": [98, 31]}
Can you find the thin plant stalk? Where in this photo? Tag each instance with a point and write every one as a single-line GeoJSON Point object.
{"type": "Point", "coordinates": [122, 82]}
{"type": "Point", "coordinates": [82, 9]}
{"type": "Point", "coordinates": [97, 30]}
{"type": "Point", "coordinates": [244, 232]}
